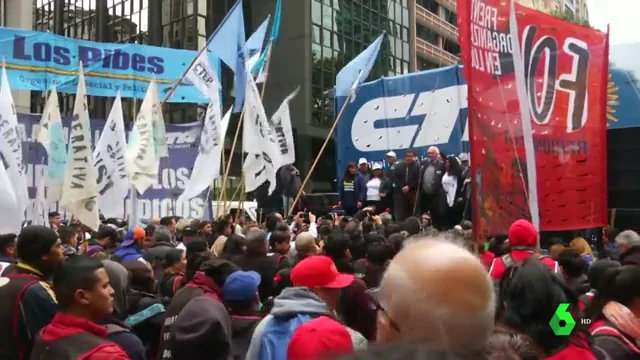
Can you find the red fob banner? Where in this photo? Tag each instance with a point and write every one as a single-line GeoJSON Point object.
{"type": "Point", "coordinates": [565, 68]}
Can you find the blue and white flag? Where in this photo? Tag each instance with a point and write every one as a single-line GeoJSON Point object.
{"type": "Point", "coordinates": [357, 70]}
{"type": "Point", "coordinates": [51, 136]}
{"type": "Point", "coordinates": [255, 43]}
{"type": "Point", "coordinates": [228, 43]}
{"type": "Point", "coordinates": [258, 68]}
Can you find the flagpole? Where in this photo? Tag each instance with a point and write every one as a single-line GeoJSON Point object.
{"type": "Point", "coordinates": [324, 145]}
{"type": "Point", "coordinates": [175, 85]}
{"type": "Point", "coordinates": [133, 193]}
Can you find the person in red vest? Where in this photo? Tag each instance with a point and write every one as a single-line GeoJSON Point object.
{"type": "Point", "coordinates": [85, 297]}
{"type": "Point", "coordinates": [523, 238]}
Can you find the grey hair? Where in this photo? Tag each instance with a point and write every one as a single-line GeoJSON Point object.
{"type": "Point", "coordinates": [628, 237]}
{"type": "Point", "coordinates": [451, 319]}
{"type": "Point", "coordinates": [161, 229]}
{"type": "Point", "coordinates": [434, 148]}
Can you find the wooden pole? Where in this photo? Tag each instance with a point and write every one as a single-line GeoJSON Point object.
{"type": "Point", "coordinates": [324, 145]}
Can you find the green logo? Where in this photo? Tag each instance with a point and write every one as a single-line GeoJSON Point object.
{"type": "Point", "coordinates": [562, 315]}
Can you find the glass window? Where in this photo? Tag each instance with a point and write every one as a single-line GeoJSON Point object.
{"type": "Point", "coordinates": [315, 34]}
{"type": "Point", "coordinates": [188, 7]}
{"type": "Point", "coordinates": [326, 38]}
{"type": "Point", "coordinates": [316, 12]}
{"type": "Point", "coordinates": [166, 12]}
{"type": "Point", "coordinates": [316, 52]}
{"type": "Point", "coordinates": [327, 21]}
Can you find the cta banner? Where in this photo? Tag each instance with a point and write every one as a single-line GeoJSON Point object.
{"type": "Point", "coordinates": [159, 200]}
{"type": "Point", "coordinates": [566, 70]}
{"type": "Point", "coordinates": [41, 61]}
{"type": "Point", "coordinates": [411, 111]}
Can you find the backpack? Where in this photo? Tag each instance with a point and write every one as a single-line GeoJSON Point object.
{"type": "Point", "coordinates": [277, 334]}
{"type": "Point", "coordinates": [508, 261]}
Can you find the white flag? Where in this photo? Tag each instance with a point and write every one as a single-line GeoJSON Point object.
{"type": "Point", "coordinates": [51, 136]}
{"type": "Point", "coordinates": [109, 160]}
{"type": "Point", "coordinates": [224, 124]}
{"type": "Point", "coordinates": [11, 147]}
{"type": "Point", "coordinates": [281, 124]}
{"type": "Point", "coordinates": [40, 214]}
{"type": "Point", "coordinates": [159, 136]}
{"type": "Point", "coordinates": [258, 140]}
{"type": "Point", "coordinates": [202, 75]}
{"type": "Point", "coordinates": [80, 191]}
{"type": "Point", "coordinates": [9, 222]}
{"type": "Point", "coordinates": [257, 169]}
{"type": "Point", "coordinates": [143, 154]}
{"type": "Point", "coordinates": [207, 165]}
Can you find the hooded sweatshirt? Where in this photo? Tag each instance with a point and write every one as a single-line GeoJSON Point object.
{"type": "Point", "coordinates": [128, 341]}
{"type": "Point", "coordinates": [291, 302]}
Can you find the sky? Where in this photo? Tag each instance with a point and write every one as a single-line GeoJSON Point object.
{"type": "Point", "coordinates": [622, 15]}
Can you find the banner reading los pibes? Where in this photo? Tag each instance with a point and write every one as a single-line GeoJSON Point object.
{"type": "Point", "coordinates": [565, 68]}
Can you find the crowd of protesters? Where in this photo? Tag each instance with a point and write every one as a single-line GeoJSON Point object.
{"type": "Point", "coordinates": [350, 286]}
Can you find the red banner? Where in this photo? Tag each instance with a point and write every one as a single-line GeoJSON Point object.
{"type": "Point", "coordinates": [565, 67]}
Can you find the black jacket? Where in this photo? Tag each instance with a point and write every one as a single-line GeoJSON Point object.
{"type": "Point", "coordinates": [266, 266]}
{"type": "Point", "coordinates": [242, 330]}
{"type": "Point", "coordinates": [406, 175]}
{"type": "Point", "coordinates": [437, 178]}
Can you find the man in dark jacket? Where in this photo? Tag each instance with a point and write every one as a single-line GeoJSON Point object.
{"type": "Point", "coordinates": [202, 330]}
{"type": "Point", "coordinates": [407, 181]}
{"type": "Point", "coordinates": [256, 259]}
{"type": "Point", "coordinates": [7, 251]}
{"type": "Point", "coordinates": [156, 253]}
{"type": "Point", "coordinates": [290, 184]}
{"type": "Point", "coordinates": [240, 295]}
{"type": "Point", "coordinates": [86, 298]}
{"type": "Point", "coordinates": [431, 172]}
{"type": "Point", "coordinates": [26, 298]}
{"type": "Point", "coordinates": [208, 281]}
{"type": "Point", "coordinates": [388, 182]}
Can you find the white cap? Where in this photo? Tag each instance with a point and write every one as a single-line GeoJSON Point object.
{"type": "Point", "coordinates": [362, 161]}
{"type": "Point", "coordinates": [376, 166]}
{"type": "Point", "coordinates": [463, 157]}
{"type": "Point", "coordinates": [391, 154]}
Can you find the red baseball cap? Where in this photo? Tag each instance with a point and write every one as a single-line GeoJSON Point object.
{"type": "Point", "coordinates": [319, 272]}
{"type": "Point", "coordinates": [319, 338]}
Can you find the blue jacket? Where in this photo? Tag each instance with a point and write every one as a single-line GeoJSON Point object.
{"type": "Point", "coordinates": [359, 193]}
{"type": "Point", "coordinates": [127, 253]}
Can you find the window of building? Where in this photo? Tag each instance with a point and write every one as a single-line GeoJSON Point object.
{"type": "Point", "coordinates": [452, 47]}
{"type": "Point", "coordinates": [426, 34]}
{"type": "Point", "coordinates": [430, 5]}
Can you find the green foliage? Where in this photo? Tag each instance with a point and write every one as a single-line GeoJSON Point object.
{"type": "Point", "coordinates": [569, 16]}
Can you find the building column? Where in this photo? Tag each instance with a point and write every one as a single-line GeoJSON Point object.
{"type": "Point", "coordinates": [19, 14]}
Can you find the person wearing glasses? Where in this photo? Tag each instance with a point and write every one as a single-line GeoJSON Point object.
{"type": "Point", "coordinates": [447, 301]}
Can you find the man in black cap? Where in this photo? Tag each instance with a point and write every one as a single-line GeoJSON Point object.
{"type": "Point", "coordinates": [25, 297]}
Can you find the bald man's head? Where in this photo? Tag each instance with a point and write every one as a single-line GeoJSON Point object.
{"type": "Point", "coordinates": [438, 294]}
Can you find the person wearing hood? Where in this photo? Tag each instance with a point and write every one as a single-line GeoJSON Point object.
{"type": "Point", "coordinates": [131, 247]}
{"type": "Point", "coordinates": [157, 252]}
{"type": "Point", "coordinates": [523, 240]}
{"type": "Point", "coordinates": [628, 244]}
{"type": "Point", "coordinates": [240, 295]}
{"type": "Point", "coordinates": [574, 270]}
{"type": "Point", "coordinates": [316, 292]}
{"type": "Point", "coordinates": [202, 330]}
{"type": "Point", "coordinates": [200, 284]}
{"type": "Point", "coordinates": [100, 246]}
{"type": "Point", "coordinates": [145, 307]}
{"type": "Point", "coordinates": [118, 331]}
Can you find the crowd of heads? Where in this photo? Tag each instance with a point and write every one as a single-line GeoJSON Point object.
{"type": "Point", "coordinates": [363, 286]}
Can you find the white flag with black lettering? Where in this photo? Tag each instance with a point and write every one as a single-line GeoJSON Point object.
{"type": "Point", "coordinates": [11, 147]}
{"type": "Point", "coordinates": [51, 136]}
{"type": "Point", "coordinates": [257, 169]}
{"type": "Point", "coordinates": [202, 75]}
{"type": "Point", "coordinates": [143, 158]}
{"type": "Point", "coordinates": [40, 214]}
{"type": "Point", "coordinates": [259, 141]}
{"type": "Point", "coordinates": [8, 204]}
{"type": "Point", "coordinates": [80, 191]}
{"type": "Point", "coordinates": [109, 160]}
{"type": "Point", "coordinates": [281, 124]}
{"type": "Point", "coordinates": [207, 165]}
